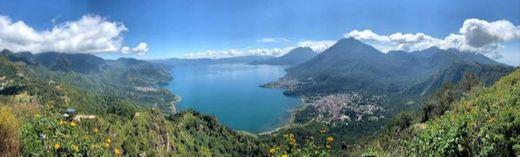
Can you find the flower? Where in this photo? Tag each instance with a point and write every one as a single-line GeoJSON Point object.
{"type": "Point", "coordinates": [73, 124]}
{"type": "Point", "coordinates": [292, 141]}
{"type": "Point", "coordinates": [272, 150]}
{"type": "Point", "coordinates": [108, 141]}
{"type": "Point", "coordinates": [57, 146]}
{"type": "Point", "coordinates": [330, 139]}
{"type": "Point", "coordinates": [285, 155]}
{"type": "Point", "coordinates": [107, 145]}
{"type": "Point", "coordinates": [117, 151]}
{"type": "Point", "coordinates": [96, 130]}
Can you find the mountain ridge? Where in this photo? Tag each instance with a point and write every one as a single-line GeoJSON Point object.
{"type": "Point", "coordinates": [294, 57]}
{"type": "Point", "coordinates": [364, 67]}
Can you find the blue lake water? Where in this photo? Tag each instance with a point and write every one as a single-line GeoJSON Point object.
{"type": "Point", "coordinates": [231, 92]}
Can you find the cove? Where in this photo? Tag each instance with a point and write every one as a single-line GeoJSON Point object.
{"type": "Point", "coordinates": [231, 93]}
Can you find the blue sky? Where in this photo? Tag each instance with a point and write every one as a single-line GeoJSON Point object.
{"type": "Point", "coordinates": [174, 28]}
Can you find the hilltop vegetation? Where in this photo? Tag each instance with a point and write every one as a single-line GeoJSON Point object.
{"type": "Point", "coordinates": [458, 121]}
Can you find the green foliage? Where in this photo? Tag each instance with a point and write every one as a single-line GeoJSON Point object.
{"type": "Point", "coordinates": [487, 123]}
{"type": "Point", "coordinates": [401, 121]}
{"type": "Point", "coordinates": [424, 138]}
{"type": "Point", "coordinates": [289, 145]}
{"type": "Point", "coordinates": [9, 138]}
{"type": "Point", "coordinates": [120, 107]}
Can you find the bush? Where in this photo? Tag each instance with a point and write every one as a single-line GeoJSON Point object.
{"type": "Point", "coordinates": [401, 121]}
{"type": "Point", "coordinates": [9, 139]}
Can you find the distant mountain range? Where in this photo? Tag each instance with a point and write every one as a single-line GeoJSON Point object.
{"type": "Point", "coordinates": [294, 57]}
{"type": "Point", "coordinates": [172, 62]}
{"type": "Point", "coordinates": [351, 65]}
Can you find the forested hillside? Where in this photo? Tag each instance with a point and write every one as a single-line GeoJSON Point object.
{"type": "Point", "coordinates": [462, 120]}
{"type": "Point", "coordinates": [125, 77]}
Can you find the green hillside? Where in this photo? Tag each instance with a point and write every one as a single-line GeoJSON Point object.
{"type": "Point", "coordinates": [32, 122]}
{"type": "Point", "coordinates": [483, 121]}
{"type": "Point", "coordinates": [133, 79]}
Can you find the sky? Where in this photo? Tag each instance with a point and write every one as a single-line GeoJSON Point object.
{"type": "Point", "coordinates": [224, 28]}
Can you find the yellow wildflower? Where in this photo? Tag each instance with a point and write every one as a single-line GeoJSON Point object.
{"type": "Point", "coordinates": [74, 147]}
{"type": "Point", "coordinates": [272, 150]}
{"type": "Point", "coordinates": [96, 130]}
{"type": "Point", "coordinates": [57, 146]}
{"type": "Point", "coordinates": [73, 124]}
{"type": "Point", "coordinates": [330, 139]}
{"type": "Point", "coordinates": [292, 141]}
{"type": "Point", "coordinates": [108, 141]}
{"type": "Point", "coordinates": [117, 151]}
{"type": "Point", "coordinates": [285, 155]}
{"type": "Point", "coordinates": [107, 145]}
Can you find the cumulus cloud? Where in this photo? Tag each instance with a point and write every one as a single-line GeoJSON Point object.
{"type": "Point", "coordinates": [480, 33]}
{"type": "Point", "coordinates": [316, 45]}
{"type": "Point", "coordinates": [475, 35]}
{"type": "Point", "coordinates": [273, 40]}
{"type": "Point", "coordinates": [89, 34]}
{"type": "Point", "coordinates": [141, 48]}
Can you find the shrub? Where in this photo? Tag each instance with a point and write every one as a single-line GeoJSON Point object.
{"type": "Point", "coordinates": [9, 139]}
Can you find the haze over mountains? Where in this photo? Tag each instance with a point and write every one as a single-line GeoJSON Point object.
{"type": "Point", "coordinates": [172, 62]}
{"type": "Point", "coordinates": [294, 57]}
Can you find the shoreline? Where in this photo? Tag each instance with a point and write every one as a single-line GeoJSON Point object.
{"type": "Point", "coordinates": [174, 103]}
{"type": "Point", "coordinates": [292, 116]}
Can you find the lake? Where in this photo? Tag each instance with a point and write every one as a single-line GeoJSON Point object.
{"type": "Point", "coordinates": [231, 92]}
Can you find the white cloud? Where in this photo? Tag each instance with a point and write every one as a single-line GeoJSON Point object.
{"type": "Point", "coordinates": [125, 50]}
{"type": "Point", "coordinates": [141, 48]}
{"type": "Point", "coordinates": [89, 34]}
{"type": "Point", "coordinates": [474, 35]}
{"type": "Point", "coordinates": [273, 40]}
{"type": "Point", "coordinates": [479, 33]}
{"type": "Point", "coordinates": [239, 52]}
{"type": "Point", "coordinates": [316, 45]}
